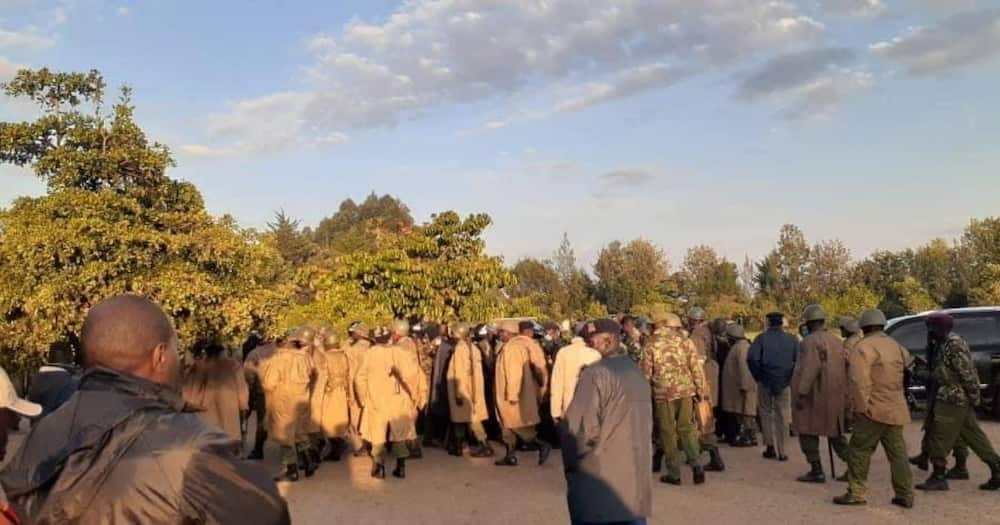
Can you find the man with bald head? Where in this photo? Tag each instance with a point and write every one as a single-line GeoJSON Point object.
{"type": "Point", "coordinates": [125, 447]}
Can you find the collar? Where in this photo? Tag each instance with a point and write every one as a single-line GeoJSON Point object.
{"type": "Point", "coordinates": [106, 379]}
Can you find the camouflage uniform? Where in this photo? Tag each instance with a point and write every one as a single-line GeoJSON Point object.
{"type": "Point", "coordinates": [633, 346]}
{"type": "Point", "coordinates": [955, 406]}
{"type": "Point", "coordinates": [676, 371]}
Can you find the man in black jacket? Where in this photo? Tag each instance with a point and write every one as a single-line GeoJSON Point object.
{"type": "Point", "coordinates": [772, 360]}
{"type": "Point", "coordinates": [125, 448]}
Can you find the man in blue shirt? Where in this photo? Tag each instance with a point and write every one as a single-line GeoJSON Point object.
{"type": "Point", "coordinates": [772, 361]}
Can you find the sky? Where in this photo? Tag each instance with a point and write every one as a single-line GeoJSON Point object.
{"type": "Point", "coordinates": [684, 122]}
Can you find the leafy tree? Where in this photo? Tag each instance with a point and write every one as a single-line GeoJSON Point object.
{"type": "Point", "coordinates": [578, 284]}
{"type": "Point", "coordinates": [911, 297]}
{"type": "Point", "coordinates": [978, 256]}
{"type": "Point", "coordinates": [362, 227]}
{"type": "Point", "coordinates": [539, 282]}
{"type": "Point", "coordinates": [988, 292]}
{"type": "Point", "coordinates": [851, 302]}
{"type": "Point", "coordinates": [111, 223]}
{"type": "Point", "coordinates": [289, 240]}
{"type": "Point", "coordinates": [706, 276]}
{"type": "Point", "coordinates": [783, 274]}
{"type": "Point", "coordinates": [630, 274]}
{"type": "Point", "coordinates": [829, 271]}
{"type": "Point", "coordinates": [934, 266]}
{"type": "Point", "coordinates": [438, 271]}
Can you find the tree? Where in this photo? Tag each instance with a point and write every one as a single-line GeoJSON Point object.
{"type": "Point", "coordinates": [934, 267]}
{"type": "Point", "coordinates": [578, 284]}
{"type": "Point", "coordinates": [631, 274]}
{"type": "Point", "coordinates": [357, 227]}
{"type": "Point", "coordinates": [538, 282]}
{"type": "Point", "coordinates": [854, 300]}
{"type": "Point", "coordinates": [706, 276]}
{"type": "Point", "coordinates": [783, 274]}
{"type": "Point", "coordinates": [289, 240]}
{"type": "Point", "coordinates": [910, 298]}
{"type": "Point", "coordinates": [978, 256]}
{"type": "Point", "coordinates": [829, 271]}
{"type": "Point", "coordinates": [438, 271]}
{"type": "Point", "coordinates": [112, 222]}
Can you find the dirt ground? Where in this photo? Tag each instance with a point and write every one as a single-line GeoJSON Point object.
{"type": "Point", "coordinates": [441, 489]}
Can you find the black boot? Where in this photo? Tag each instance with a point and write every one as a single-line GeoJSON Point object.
{"type": "Point", "coordinates": [484, 450]}
{"type": "Point", "coordinates": [544, 449]}
{"type": "Point", "coordinates": [699, 474]}
{"type": "Point", "coordinates": [666, 478]}
{"type": "Point", "coordinates": [994, 482]}
{"type": "Point", "coordinates": [769, 453]}
{"type": "Point", "coordinates": [400, 470]}
{"type": "Point", "coordinates": [657, 460]}
{"type": "Point", "coordinates": [508, 460]}
{"type": "Point", "coordinates": [378, 471]}
{"type": "Point", "coordinates": [256, 455]}
{"type": "Point", "coordinates": [920, 461]}
{"type": "Point", "coordinates": [815, 474]}
{"type": "Point", "coordinates": [937, 482]}
{"type": "Point", "coordinates": [305, 459]}
{"type": "Point", "coordinates": [715, 463]}
{"type": "Point", "coordinates": [959, 471]}
{"type": "Point", "coordinates": [291, 474]}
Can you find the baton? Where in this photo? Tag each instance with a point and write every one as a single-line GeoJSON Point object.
{"type": "Point", "coordinates": [833, 466]}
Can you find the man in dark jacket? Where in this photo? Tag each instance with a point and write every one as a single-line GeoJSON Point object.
{"type": "Point", "coordinates": [55, 382]}
{"type": "Point", "coordinates": [605, 436]}
{"type": "Point", "coordinates": [124, 449]}
{"type": "Point", "coordinates": [772, 362]}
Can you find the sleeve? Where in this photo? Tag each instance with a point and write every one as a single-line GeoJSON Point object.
{"type": "Point", "coordinates": [697, 366]}
{"type": "Point", "coordinates": [270, 374]}
{"type": "Point", "coordinates": [539, 366]}
{"type": "Point", "coordinates": [860, 378]}
{"type": "Point", "coordinates": [361, 384]}
{"type": "Point", "coordinates": [747, 381]}
{"type": "Point", "coordinates": [556, 401]}
{"type": "Point", "coordinates": [218, 488]}
{"type": "Point", "coordinates": [646, 362]}
{"type": "Point", "coordinates": [513, 372]}
{"type": "Point", "coordinates": [810, 368]}
{"type": "Point", "coordinates": [242, 390]}
{"type": "Point", "coordinates": [581, 424]}
{"type": "Point", "coordinates": [959, 360]}
{"type": "Point", "coordinates": [754, 357]}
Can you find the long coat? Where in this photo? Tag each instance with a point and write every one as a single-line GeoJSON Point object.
{"type": "Point", "coordinates": [334, 415]}
{"type": "Point", "coordinates": [605, 443]}
{"type": "Point", "coordinates": [355, 353]}
{"type": "Point", "coordinates": [439, 405]}
{"type": "Point", "coordinates": [422, 390]}
{"type": "Point", "coordinates": [739, 390]}
{"type": "Point", "coordinates": [566, 372]}
{"type": "Point", "coordinates": [819, 386]}
{"type": "Point", "coordinates": [466, 383]}
{"type": "Point", "coordinates": [316, 390]}
{"type": "Point", "coordinates": [388, 382]}
{"type": "Point", "coordinates": [218, 389]}
{"type": "Point", "coordinates": [285, 378]}
{"type": "Point", "coordinates": [877, 366]}
{"type": "Point", "coordinates": [518, 391]}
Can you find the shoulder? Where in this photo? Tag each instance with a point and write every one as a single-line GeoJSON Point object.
{"type": "Point", "coordinates": [956, 343]}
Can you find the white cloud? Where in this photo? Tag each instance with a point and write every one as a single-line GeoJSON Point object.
{"type": "Point", "coordinates": [856, 8]}
{"type": "Point", "coordinates": [960, 40]}
{"type": "Point", "coordinates": [428, 54]}
{"type": "Point", "coordinates": [807, 84]}
{"type": "Point", "coordinates": [628, 177]}
{"type": "Point", "coordinates": [24, 40]}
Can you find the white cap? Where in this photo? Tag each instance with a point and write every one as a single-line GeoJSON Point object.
{"type": "Point", "coordinates": [11, 401]}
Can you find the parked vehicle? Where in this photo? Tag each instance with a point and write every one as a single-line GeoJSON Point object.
{"type": "Point", "coordinates": [980, 326]}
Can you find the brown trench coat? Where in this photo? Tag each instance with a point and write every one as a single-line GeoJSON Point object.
{"type": "Point", "coordinates": [355, 353]}
{"type": "Point", "coordinates": [739, 389]}
{"type": "Point", "coordinates": [285, 378]}
{"type": "Point", "coordinates": [518, 390]}
{"type": "Point", "coordinates": [466, 384]}
{"type": "Point", "coordinates": [218, 389]}
{"type": "Point", "coordinates": [390, 408]}
{"type": "Point", "coordinates": [876, 379]}
{"type": "Point", "coordinates": [422, 391]}
{"type": "Point", "coordinates": [330, 401]}
{"type": "Point", "coordinates": [318, 363]}
{"type": "Point", "coordinates": [819, 386]}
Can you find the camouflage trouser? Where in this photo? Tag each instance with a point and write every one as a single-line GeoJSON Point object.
{"type": "Point", "coordinates": [960, 451]}
{"type": "Point", "coordinates": [675, 423]}
{"type": "Point", "coordinates": [867, 436]}
{"type": "Point", "coordinates": [384, 451]}
{"type": "Point", "coordinates": [952, 424]}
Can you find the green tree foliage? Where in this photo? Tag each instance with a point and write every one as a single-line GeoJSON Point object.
{"type": "Point", "coordinates": [910, 297]}
{"type": "Point", "coordinates": [580, 289]}
{"type": "Point", "coordinates": [631, 274]}
{"type": "Point", "coordinates": [934, 265]}
{"type": "Point", "coordinates": [113, 222]}
{"type": "Point", "coordinates": [851, 302]}
{"type": "Point", "coordinates": [362, 227]}
{"type": "Point", "coordinates": [538, 282]}
{"type": "Point", "coordinates": [783, 275]}
{"type": "Point", "coordinates": [704, 276]}
{"type": "Point", "coordinates": [294, 245]}
{"type": "Point", "coordinates": [829, 270]}
{"type": "Point", "coordinates": [438, 271]}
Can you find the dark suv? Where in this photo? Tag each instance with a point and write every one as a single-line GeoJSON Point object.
{"type": "Point", "coordinates": [979, 326]}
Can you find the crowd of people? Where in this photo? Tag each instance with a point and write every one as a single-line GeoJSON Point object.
{"type": "Point", "coordinates": [612, 394]}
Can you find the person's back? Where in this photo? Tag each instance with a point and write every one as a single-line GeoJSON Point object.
{"type": "Point", "coordinates": [570, 360]}
{"type": "Point", "coordinates": [125, 449]}
{"type": "Point", "coordinates": [772, 358]}
{"type": "Point", "coordinates": [217, 387]}
{"type": "Point", "coordinates": [54, 383]}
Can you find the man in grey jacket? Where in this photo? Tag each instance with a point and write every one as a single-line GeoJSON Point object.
{"type": "Point", "coordinates": [605, 436]}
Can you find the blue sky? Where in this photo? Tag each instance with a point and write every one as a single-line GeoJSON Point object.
{"type": "Point", "coordinates": [684, 122]}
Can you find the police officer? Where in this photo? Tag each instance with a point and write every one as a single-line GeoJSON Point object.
{"type": "Point", "coordinates": [467, 394]}
{"type": "Point", "coordinates": [876, 370]}
{"type": "Point", "coordinates": [286, 378]}
{"type": "Point", "coordinates": [819, 386]}
{"type": "Point", "coordinates": [955, 404]}
{"type": "Point", "coordinates": [704, 342]}
{"type": "Point", "coordinates": [355, 351]}
{"type": "Point", "coordinates": [677, 375]}
{"type": "Point", "coordinates": [850, 332]}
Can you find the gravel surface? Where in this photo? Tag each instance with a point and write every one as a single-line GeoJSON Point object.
{"type": "Point", "coordinates": [442, 489]}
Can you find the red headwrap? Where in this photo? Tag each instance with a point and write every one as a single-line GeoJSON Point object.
{"type": "Point", "coordinates": [941, 323]}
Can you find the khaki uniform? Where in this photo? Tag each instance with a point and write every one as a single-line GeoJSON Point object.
{"type": "Point", "coordinates": [316, 390]}
{"type": "Point", "coordinates": [388, 383]}
{"type": "Point", "coordinates": [333, 411]}
{"type": "Point", "coordinates": [425, 365]}
{"type": "Point", "coordinates": [819, 393]}
{"type": "Point", "coordinates": [355, 353]}
{"type": "Point", "coordinates": [218, 389]}
{"type": "Point", "coordinates": [258, 405]}
{"type": "Point", "coordinates": [518, 389]}
{"type": "Point", "coordinates": [876, 383]}
{"type": "Point", "coordinates": [467, 389]}
{"type": "Point", "coordinates": [739, 389]}
{"type": "Point", "coordinates": [285, 378]}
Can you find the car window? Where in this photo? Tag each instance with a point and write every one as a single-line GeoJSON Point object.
{"type": "Point", "coordinates": [912, 335]}
{"type": "Point", "coordinates": [978, 330]}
